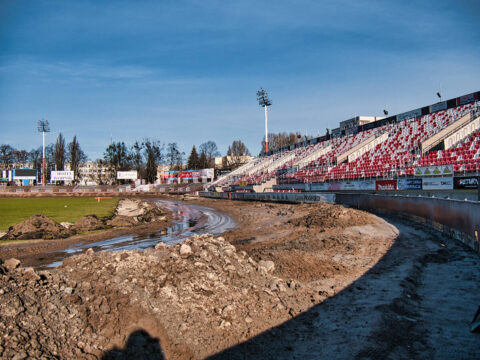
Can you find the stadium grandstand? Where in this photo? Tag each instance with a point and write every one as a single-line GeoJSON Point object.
{"type": "Point", "coordinates": [439, 140]}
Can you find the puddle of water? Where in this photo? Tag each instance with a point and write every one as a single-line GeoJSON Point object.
{"type": "Point", "coordinates": [191, 219]}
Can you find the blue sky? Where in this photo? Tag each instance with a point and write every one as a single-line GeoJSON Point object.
{"type": "Point", "coordinates": [187, 71]}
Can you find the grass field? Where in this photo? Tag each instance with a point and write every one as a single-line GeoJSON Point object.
{"type": "Point", "coordinates": [13, 211]}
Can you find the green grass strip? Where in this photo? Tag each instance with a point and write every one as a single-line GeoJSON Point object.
{"type": "Point", "coordinates": [15, 210]}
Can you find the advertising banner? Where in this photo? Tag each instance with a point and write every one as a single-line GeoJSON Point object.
{"type": "Point", "coordinates": [127, 175]}
{"type": "Point", "coordinates": [61, 176]}
{"type": "Point", "coordinates": [171, 175]}
{"type": "Point", "coordinates": [409, 115]}
{"type": "Point", "coordinates": [465, 99]}
{"type": "Point", "coordinates": [437, 170]}
{"type": "Point", "coordinates": [319, 187]}
{"type": "Point", "coordinates": [470, 182]}
{"type": "Point", "coordinates": [349, 185]}
{"type": "Point", "coordinates": [207, 173]}
{"type": "Point", "coordinates": [195, 174]}
{"type": "Point", "coordinates": [24, 174]}
{"type": "Point", "coordinates": [409, 184]}
{"type": "Point", "coordinates": [366, 185]}
{"type": "Point", "coordinates": [185, 175]}
{"type": "Point", "coordinates": [335, 186]}
{"type": "Point", "coordinates": [438, 106]}
{"type": "Point", "coordinates": [386, 185]}
{"type": "Point", "coordinates": [445, 183]}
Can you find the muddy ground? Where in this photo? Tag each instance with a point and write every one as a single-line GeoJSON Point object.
{"type": "Point", "coordinates": [37, 252]}
{"type": "Point", "coordinates": [300, 281]}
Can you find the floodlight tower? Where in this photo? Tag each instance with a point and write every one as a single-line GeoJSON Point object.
{"type": "Point", "coordinates": [264, 101]}
{"type": "Point", "coordinates": [43, 126]}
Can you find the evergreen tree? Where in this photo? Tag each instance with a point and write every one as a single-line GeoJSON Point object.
{"type": "Point", "coordinates": [193, 159]}
{"type": "Point", "coordinates": [153, 153]}
{"type": "Point", "coordinates": [59, 155]}
{"type": "Point", "coordinates": [76, 156]}
{"type": "Point", "coordinates": [137, 159]}
{"type": "Point", "coordinates": [203, 161]}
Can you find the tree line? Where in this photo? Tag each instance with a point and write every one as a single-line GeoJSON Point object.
{"type": "Point", "coordinates": [56, 156]}
{"type": "Point", "coordinates": [277, 141]}
{"type": "Point", "coordinates": [143, 156]}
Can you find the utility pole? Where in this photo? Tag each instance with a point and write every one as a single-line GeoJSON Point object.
{"type": "Point", "coordinates": [43, 127]}
{"type": "Point", "coordinates": [264, 101]}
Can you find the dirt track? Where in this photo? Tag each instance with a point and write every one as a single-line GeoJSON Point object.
{"type": "Point", "coordinates": [365, 291]}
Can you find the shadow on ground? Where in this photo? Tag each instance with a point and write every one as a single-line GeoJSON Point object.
{"type": "Point", "coordinates": [140, 345]}
{"type": "Point", "coordinates": [386, 313]}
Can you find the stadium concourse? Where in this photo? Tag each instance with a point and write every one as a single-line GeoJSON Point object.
{"type": "Point", "coordinates": [422, 149]}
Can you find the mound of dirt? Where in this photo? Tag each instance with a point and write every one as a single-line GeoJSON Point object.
{"type": "Point", "coordinates": [151, 212]}
{"type": "Point", "coordinates": [131, 212]}
{"type": "Point", "coordinates": [37, 227]}
{"type": "Point", "coordinates": [122, 221]}
{"type": "Point", "coordinates": [89, 223]}
{"type": "Point", "coordinates": [327, 216]}
{"type": "Point", "coordinates": [197, 298]}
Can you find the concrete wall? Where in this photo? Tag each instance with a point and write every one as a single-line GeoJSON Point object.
{"type": "Point", "coordinates": [275, 197]}
{"type": "Point", "coordinates": [459, 219]}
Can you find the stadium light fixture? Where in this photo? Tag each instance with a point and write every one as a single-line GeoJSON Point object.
{"type": "Point", "coordinates": [385, 112]}
{"type": "Point", "coordinates": [264, 101]}
{"type": "Point", "coordinates": [43, 126]}
{"type": "Point", "coordinates": [439, 95]}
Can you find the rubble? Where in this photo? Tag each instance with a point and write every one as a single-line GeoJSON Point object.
{"type": "Point", "coordinates": [190, 293]}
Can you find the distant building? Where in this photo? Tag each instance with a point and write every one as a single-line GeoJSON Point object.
{"type": "Point", "coordinates": [347, 127]}
{"type": "Point", "coordinates": [93, 173]}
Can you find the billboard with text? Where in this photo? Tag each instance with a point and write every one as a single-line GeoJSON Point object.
{"type": "Point", "coordinates": [127, 175]}
{"type": "Point", "coordinates": [61, 176]}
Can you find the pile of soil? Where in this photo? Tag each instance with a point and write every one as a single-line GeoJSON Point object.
{"type": "Point", "coordinates": [89, 223]}
{"type": "Point", "coordinates": [122, 221]}
{"type": "Point", "coordinates": [37, 227]}
{"type": "Point", "coordinates": [151, 213]}
{"type": "Point", "coordinates": [197, 298]}
{"type": "Point", "coordinates": [130, 212]}
{"type": "Point", "coordinates": [326, 216]}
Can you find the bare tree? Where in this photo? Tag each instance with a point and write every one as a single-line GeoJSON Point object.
{"type": "Point", "coordinates": [236, 154]}
{"type": "Point", "coordinates": [20, 157]}
{"type": "Point", "coordinates": [279, 141]}
{"type": "Point", "coordinates": [35, 157]}
{"type": "Point", "coordinates": [174, 156]}
{"type": "Point", "coordinates": [6, 156]}
{"type": "Point", "coordinates": [211, 152]}
{"type": "Point", "coordinates": [116, 157]}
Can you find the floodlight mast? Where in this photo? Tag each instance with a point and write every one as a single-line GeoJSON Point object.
{"type": "Point", "coordinates": [43, 126]}
{"type": "Point", "coordinates": [264, 101]}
